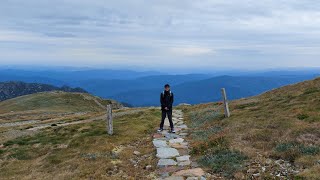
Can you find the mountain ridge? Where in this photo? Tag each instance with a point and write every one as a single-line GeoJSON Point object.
{"type": "Point", "coordinates": [12, 89]}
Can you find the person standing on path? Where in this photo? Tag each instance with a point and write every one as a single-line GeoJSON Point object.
{"type": "Point", "coordinates": [166, 100]}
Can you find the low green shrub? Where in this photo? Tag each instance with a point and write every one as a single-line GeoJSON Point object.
{"type": "Point", "coordinates": [1, 151]}
{"type": "Point", "coordinates": [311, 90]}
{"type": "Point", "coordinates": [226, 162]}
{"type": "Point", "coordinates": [302, 116]}
{"type": "Point", "coordinates": [293, 150]}
{"type": "Point", "coordinates": [20, 154]}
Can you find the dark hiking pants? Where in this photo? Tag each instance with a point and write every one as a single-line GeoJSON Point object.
{"type": "Point", "coordinates": [164, 114]}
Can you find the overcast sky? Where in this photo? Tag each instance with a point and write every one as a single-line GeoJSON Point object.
{"type": "Point", "coordinates": [246, 34]}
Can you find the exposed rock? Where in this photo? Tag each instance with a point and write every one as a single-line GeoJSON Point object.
{"type": "Point", "coordinates": [136, 153]}
{"type": "Point", "coordinates": [190, 172]}
{"type": "Point", "coordinates": [60, 146]}
{"type": "Point", "coordinates": [183, 158]}
{"type": "Point", "coordinates": [178, 140]}
{"type": "Point", "coordinates": [148, 167]}
{"type": "Point", "coordinates": [174, 178]}
{"type": "Point", "coordinates": [159, 143]}
{"type": "Point", "coordinates": [184, 163]}
{"type": "Point", "coordinates": [166, 162]}
{"type": "Point", "coordinates": [171, 136]}
{"type": "Point", "coordinates": [167, 153]}
{"type": "Point", "coordinates": [183, 134]}
{"type": "Point", "coordinates": [192, 178]}
{"type": "Point", "coordinates": [164, 174]}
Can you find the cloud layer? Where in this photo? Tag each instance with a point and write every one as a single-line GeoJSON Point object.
{"type": "Point", "coordinates": [149, 33]}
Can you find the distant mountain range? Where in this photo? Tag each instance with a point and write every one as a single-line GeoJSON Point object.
{"type": "Point", "coordinates": [143, 88]}
{"type": "Point", "coordinates": [14, 89]}
{"type": "Point", "coordinates": [209, 90]}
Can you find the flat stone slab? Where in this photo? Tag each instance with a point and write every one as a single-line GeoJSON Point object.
{"type": "Point", "coordinates": [183, 158]}
{"type": "Point", "coordinates": [159, 143]}
{"type": "Point", "coordinates": [165, 153]}
{"type": "Point", "coordinates": [196, 172]}
{"type": "Point", "coordinates": [172, 136]}
{"type": "Point", "coordinates": [174, 141]}
{"type": "Point", "coordinates": [174, 178]}
{"type": "Point", "coordinates": [166, 162]}
{"type": "Point", "coordinates": [184, 163]}
{"type": "Point", "coordinates": [192, 178]}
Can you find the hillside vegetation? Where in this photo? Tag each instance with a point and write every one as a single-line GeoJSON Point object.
{"type": "Point", "coordinates": [59, 135]}
{"type": "Point", "coordinates": [84, 151]}
{"type": "Point", "coordinates": [14, 89]}
{"type": "Point", "coordinates": [275, 134]}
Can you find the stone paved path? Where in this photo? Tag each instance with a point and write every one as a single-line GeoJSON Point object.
{"type": "Point", "coordinates": [173, 152]}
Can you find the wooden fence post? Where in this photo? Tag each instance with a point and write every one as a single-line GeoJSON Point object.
{"type": "Point", "coordinates": [109, 120]}
{"type": "Point", "coordinates": [225, 103]}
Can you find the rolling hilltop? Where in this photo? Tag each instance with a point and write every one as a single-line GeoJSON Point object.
{"type": "Point", "coordinates": [44, 109]}
{"type": "Point", "coordinates": [14, 89]}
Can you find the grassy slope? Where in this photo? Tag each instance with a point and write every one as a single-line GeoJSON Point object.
{"type": "Point", "coordinates": [83, 151]}
{"type": "Point", "coordinates": [283, 123]}
{"type": "Point", "coordinates": [51, 101]}
{"type": "Point", "coordinates": [54, 106]}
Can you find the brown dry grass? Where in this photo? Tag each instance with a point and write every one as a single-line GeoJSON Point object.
{"type": "Point", "coordinates": [260, 124]}
{"type": "Point", "coordinates": [84, 151]}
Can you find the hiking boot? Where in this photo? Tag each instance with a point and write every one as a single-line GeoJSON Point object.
{"type": "Point", "coordinates": [160, 130]}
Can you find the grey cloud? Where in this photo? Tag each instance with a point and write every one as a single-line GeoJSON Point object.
{"type": "Point", "coordinates": [148, 31]}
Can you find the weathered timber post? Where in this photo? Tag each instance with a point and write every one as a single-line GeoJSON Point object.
{"type": "Point", "coordinates": [109, 120]}
{"type": "Point", "coordinates": [225, 103]}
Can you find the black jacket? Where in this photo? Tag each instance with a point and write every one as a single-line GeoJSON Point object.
{"type": "Point", "coordinates": [166, 100]}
